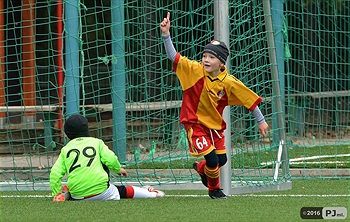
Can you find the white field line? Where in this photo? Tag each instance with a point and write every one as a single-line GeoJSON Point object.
{"type": "Point", "coordinates": [295, 160]}
{"type": "Point", "coordinates": [316, 157]}
{"type": "Point", "coordinates": [318, 162]}
{"type": "Point", "coordinates": [241, 195]}
{"type": "Point", "coordinates": [271, 195]}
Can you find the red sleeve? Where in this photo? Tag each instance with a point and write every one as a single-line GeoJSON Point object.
{"type": "Point", "coordinates": [257, 102]}
{"type": "Point", "coordinates": [176, 61]}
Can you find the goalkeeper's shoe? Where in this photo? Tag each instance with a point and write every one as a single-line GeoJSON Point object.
{"type": "Point", "coordinates": [157, 193]}
{"type": "Point", "coordinates": [217, 194]}
{"type": "Point", "coordinates": [63, 195]}
{"type": "Point", "coordinates": [203, 176]}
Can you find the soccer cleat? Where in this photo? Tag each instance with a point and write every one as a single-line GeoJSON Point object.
{"type": "Point", "coordinates": [151, 189]}
{"type": "Point", "coordinates": [217, 194]}
{"type": "Point", "coordinates": [203, 176]}
{"type": "Point", "coordinates": [63, 195]}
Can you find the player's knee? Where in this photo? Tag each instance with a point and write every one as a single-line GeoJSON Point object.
{"type": "Point", "coordinates": [222, 159]}
{"type": "Point", "coordinates": [212, 159]}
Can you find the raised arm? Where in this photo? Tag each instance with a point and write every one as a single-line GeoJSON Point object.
{"type": "Point", "coordinates": [165, 25]}
{"type": "Point", "coordinates": [168, 44]}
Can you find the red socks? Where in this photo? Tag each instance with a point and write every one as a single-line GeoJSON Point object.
{"type": "Point", "coordinates": [213, 174]}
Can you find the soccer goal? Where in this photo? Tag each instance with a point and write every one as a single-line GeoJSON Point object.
{"type": "Point", "coordinates": [106, 60]}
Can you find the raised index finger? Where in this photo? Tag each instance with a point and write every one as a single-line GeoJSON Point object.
{"type": "Point", "coordinates": [168, 16]}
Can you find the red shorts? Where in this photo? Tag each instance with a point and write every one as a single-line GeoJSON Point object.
{"type": "Point", "coordinates": [203, 140]}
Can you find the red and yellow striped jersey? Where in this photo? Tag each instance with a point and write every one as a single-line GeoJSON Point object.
{"type": "Point", "coordinates": [205, 97]}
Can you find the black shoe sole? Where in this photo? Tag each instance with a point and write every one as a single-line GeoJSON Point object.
{"type": "Point", "coordinates": [221, 195]}
{"type": "Point", "coordinates": [222, 198]}
{"type": "Point", "coordinates": [214, 197]}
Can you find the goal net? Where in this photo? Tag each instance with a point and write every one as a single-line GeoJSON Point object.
{"type": "Point", "coordinates": [106, 59]}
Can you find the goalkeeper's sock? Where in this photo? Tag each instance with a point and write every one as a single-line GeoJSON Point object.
{"type": "Point", "coordinates": [143, 192]}
{"type": "Point", "coordinates": [213, 175]}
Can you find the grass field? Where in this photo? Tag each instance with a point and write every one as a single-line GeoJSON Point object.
{"type": "Point", "coordinates": [182, 205]}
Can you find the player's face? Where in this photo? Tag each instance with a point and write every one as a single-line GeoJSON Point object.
{"type": "Point", "coordinates": [211, 64]}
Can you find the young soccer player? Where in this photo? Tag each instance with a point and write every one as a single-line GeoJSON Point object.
{"type": "Point", "coordinates": [207, 89]}
{"type": "Point", "coordinates": [86, 161]}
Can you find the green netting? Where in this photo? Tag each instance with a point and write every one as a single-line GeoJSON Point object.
{"type": "Point", "coordinates": [141, 121]}
{"type": "Point", "coordinates": [318, 75]}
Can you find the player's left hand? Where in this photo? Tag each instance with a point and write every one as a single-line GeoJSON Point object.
{"type": "Point", "coordinates": [263, 128]}
{"type": "Point", "coordinates": [123, 172]}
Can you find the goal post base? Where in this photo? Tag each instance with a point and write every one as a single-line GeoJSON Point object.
{"type": "Point", "coordinates": [236, 188]}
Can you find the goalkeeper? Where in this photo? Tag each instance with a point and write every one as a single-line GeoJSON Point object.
{"type": "Point", "coordinates": [87, 161]}
{"type": "Point", "coordinates": [207, 89]}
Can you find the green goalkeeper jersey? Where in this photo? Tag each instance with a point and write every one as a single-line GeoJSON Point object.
{"type": "Point", "coordinates": [83, 160]}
